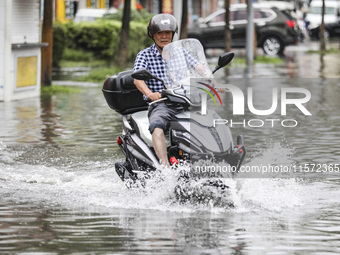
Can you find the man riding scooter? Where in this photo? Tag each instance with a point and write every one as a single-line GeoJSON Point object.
{"type": "Point", "coordinates": [161, 28]}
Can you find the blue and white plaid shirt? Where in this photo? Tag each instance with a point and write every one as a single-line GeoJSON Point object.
{"type": "Point", "coordinates": [151, 60]}
{"type": "Point", "coordinates": [180, 61]}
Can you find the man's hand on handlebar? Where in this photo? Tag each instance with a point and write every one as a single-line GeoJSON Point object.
{"type": "Point", "coordinates": [154, 96]}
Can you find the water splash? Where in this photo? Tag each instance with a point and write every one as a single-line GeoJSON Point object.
{"type": "Point", "coordinates": [95, 183]}
{"type": "Point", "coordinates": [272, 191]}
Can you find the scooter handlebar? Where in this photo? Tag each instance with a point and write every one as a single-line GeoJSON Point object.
{"type": "Point", "coordinates": [158, 100]}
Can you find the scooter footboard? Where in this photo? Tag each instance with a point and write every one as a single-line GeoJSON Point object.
{"type": "Point", "coordinates": [134, 147]}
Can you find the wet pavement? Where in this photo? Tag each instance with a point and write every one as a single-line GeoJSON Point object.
{"type": "Point", "coordinates": [59, 192]}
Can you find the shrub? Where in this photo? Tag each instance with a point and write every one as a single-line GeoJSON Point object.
{"type": "Point", "coordinates": [59, 37]}
{"type": "Point", "coordinates": [101, 37]}
{"type": "Point", "coordinates": [99, 74]}
{"type": "Point", "coordinates": [77, 55]}
{"type": "Point", "coordinates": [53, 90]}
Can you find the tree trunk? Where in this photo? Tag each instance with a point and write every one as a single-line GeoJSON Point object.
{"type": "Point", "coordinates": [322, 29]}
{"type": "Point", "coordinates": [184, 22]}
{"type": "Point", "coordinates": [121, 58]}
{"type": "Point", "coordinates": [227, 33]}
{"type": "Point", "coordinates": [255, 42]}
{"type": "Point", "coordinates": [47, 37]}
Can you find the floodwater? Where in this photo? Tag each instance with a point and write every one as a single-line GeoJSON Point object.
{"type": "Point", "coordinates": [59, 193]}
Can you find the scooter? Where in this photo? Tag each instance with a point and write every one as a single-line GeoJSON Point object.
{"type": "Point", "coordinates": [192, 137]}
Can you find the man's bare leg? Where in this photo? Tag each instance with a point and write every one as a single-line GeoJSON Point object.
{"type": "Point", "coordinates": [159, 144]}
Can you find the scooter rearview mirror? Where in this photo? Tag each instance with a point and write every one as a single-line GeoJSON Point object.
{"type": "Point", "coordinates": [145, 75]}
{"type": "Point", "coordinates": [224, 60]}
{"type": "Point", "coordinates": [142, 74]}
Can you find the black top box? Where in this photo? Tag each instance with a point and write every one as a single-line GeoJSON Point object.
{"type": "Point", "coordinates": [122, 95]}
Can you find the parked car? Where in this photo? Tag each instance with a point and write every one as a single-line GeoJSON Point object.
{"type": "Point", "coordinates": [290, 9]}
{"type": "Point", "coordinates": [331, 30]}
{"type": "Point", "coordinates": [91, 14]}
{"type": "Point", "coordinates": [313, 16]}
{"type": "Point", "coordinates": [274, 28]}
{"type": "Point", "coordinates": [331, 19]}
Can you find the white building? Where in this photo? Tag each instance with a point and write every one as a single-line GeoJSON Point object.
{"type": "Point", "coordinates": [20, 49]}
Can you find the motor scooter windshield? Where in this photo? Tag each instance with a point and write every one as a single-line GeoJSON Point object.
{"type": "Point", "coordinates": [187, 68]}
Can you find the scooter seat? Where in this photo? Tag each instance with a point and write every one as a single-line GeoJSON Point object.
{"type": "Point", "coordinates": [140, 121]}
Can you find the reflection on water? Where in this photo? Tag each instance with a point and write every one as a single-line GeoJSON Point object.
{"type": "Point", "coordinates": [265, 228]}
{"type": "Point", "coordinates": [312, 66]}
{"type": "Point", "coordinates": [59, 192]}
{"type": "Point", "coordinates": [297, 64]}
{"type": "Point", "coordinates": [312, 137]}
{"type": "Point", "coordinates": [75, 120]}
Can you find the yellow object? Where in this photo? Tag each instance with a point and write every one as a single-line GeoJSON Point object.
{"type": "Point", "coordinates": [61, 11]}
{"type": "Point", "coordinates": [133, 4]}
{"type": "Point", "coordinates": [167, 6]}
{"type": "Point", "coordinates": [27, 71]}
{"type": "Point", "coordinates": [102, 4]}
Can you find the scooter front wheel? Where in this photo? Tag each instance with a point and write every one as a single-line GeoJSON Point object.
{"type": "Point", "coordinates": [124, 171]}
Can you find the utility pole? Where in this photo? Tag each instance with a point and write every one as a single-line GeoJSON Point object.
{"type": "Point", "coordinates": [47, 37]}
{"type": "Point", "coordinates": [322, 29]}
{"type": "Point", "coordinates": [178, 13]}
{"type": "Point", "coordinates": [250, 35]}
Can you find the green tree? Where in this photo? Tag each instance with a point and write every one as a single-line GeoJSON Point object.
{"type": "Point", "coordinates": [227, 33]}
{"type": "Point", "coordinates": [47, 37]}
{"type": "Point", "coordinates": [121, 58]}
